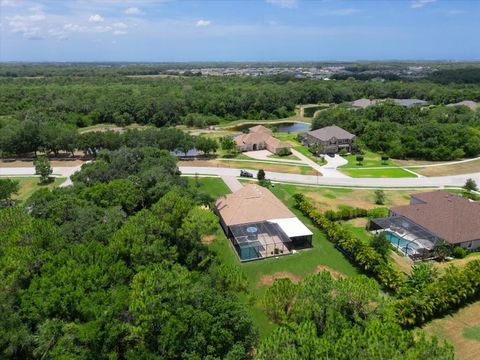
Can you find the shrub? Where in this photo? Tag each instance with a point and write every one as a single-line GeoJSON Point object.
{"type": "Point", "coordinates": [459, 252]}
{"type": "Point", "coordinates": [284, 152]}
{"type": "Point", "coordinates": [343, 152]}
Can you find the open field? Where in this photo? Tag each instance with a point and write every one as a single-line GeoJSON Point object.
{"type": "Point", "coordinates": [113, 127]}
{"type": "Point", "coordinates": [461, 329]}
{"type": "Point", "coordinates": [337, 198]}
{"type": "Point", "coordinates": [252, 165]}
{"type": "Point", "coordinates": [377, 173]}
{"type": "Point", "coordinates": [455, 169]}
{"type": "Point", "coordinates": [28, 185]}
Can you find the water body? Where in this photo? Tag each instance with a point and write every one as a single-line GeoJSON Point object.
{"type": "Point", "coordinates": [286, 127]}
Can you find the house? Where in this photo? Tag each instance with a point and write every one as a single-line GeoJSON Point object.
{"type": "Point", "coordinates": [363, 103]}
{"type": "Point", "coordinates": [259, 224]}
{"type": "Point", "coordinates": [260, 138]}
{"type": "Point", "coordinates": [472, 105]}
{"type": "Point", "coordinates": [332, 139]}
{"type": "Point", "coordinates": [431, 217]}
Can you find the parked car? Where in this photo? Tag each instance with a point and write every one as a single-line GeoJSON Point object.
{"type": "Point", "coordinates": [244, 173]}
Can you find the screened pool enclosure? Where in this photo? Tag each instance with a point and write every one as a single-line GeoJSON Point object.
{"type": "Point", "coordinates": [259, 240]}
{"type": "Point", "coordinates": [407, 236]}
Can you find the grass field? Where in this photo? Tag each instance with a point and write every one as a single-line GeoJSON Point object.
{"type": "Point", "coordinates": [252, 165]}
{"type": "Point", "coordinates": [461, 329]}
{"type": "Point", "coordinates": [304, 151]}
{"type": "Point", "coordinates": [378, 173]}
{"type": "Point", "coordinates": [28, 185]}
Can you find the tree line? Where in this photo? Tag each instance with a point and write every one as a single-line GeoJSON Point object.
{"type": "Point", "coordinates": [29, 137]}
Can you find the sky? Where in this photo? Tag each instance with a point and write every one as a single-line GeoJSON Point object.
{"type": "Point", "coordinates": [248, 30]}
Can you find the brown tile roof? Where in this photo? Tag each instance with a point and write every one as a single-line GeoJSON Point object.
{"type": "Point", "coordinates": [326, 133]}
{"type": "Point", "coordinates": [260, 129]}
{"type": "Point", "coordinates": [452, 218]}
{"type": "Point", "coordinates": [251, 203]}
{"type": "Point", "coordinates": [276, 144]}
{"type": "Point", "coordinates": [251, 138]}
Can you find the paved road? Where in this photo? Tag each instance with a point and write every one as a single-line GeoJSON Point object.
{"type": "Point", "coordinates": [432, 182]}
{"type": "Point", "coordinates": [64, 171]}
{"type": "Point", "coordinates": [232, 182]}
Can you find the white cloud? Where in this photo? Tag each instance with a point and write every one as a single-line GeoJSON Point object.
{"type": "Point", "coordinates": [416, 4]}
{"type": "Point", "coordinates": [202, 22]}
{"type": "Point", "coordinates": [28, 25]}
{"type": "Point", "coordinates": [289, 4]}
{"type": "Point", "coordinates": [133, 11]}
{"type": "Point", "coordinates": [120, 25]}
{"type": "Point", "coordinates": [119, 32]}
{"type": "Point", "coordinates": [96, 18]}
{"type": "Point", "coordinates": [339, 12]}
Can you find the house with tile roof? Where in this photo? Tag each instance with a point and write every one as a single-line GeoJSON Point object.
{"type": "Point", "coordinates": [331, 139]}
{"type": "Point", "coordinates": [260, 138]}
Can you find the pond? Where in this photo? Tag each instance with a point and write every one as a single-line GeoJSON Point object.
{"type": "Point", "coordinates": [286, 127]}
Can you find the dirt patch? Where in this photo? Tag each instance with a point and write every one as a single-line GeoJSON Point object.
{"type": "Point", "coordinates": [457, 262]}
{"type": "Point", "coordinates": [335, 274]}
{"type": "Point", "coordinates": [452, 328]}
{"type": "Point", "coordinates": [402, 263]}
{"type": "Point", "coordinates": [249, 165]}
{"type": "Point", "coordinates": [267, 280]}
{"type": "Point", "coordinates": [457, 169]}
{"type": "Point", "coordinates": [208, 239]}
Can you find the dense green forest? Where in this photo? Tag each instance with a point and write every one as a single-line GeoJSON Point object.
{"type": "Point", "coordinates": [42, 114]}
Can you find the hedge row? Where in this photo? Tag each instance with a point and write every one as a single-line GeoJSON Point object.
{"type": "Point", "coordinates": [348, 214]}
{"type": "Point", "coordinates": [454, 289]}
{"type": "Point", "coordinates": [361, 253]}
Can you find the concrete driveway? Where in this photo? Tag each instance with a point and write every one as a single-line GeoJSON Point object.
{"type": "Point", "coordinates": [329, 170]}
{"type": "Point", "coordinates": [232, 183]}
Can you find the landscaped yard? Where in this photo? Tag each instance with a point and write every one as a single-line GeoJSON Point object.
{"type": "Point", "coordinates": [378, 173]}
{"type": "Point", "coordinates": [461, 329]}
{"type": "Point", "coordinates": [370, 159]}
{"type": "Point", "coordinates": [28, 185]}
{"type": "Point", "coordinates": [304, 151]}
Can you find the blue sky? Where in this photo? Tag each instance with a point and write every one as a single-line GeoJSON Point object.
{"type": "Point", "coordinates": [249, 30]}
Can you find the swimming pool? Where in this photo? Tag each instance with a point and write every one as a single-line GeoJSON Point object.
{"type": "Point", "coordinates": [400, 243]}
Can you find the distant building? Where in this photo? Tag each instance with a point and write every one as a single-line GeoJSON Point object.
{"type": "Point", "coordinates": [331, 138]}
{"type": "Point", "coordinates": [429, 218]}
{"type": "Point", "coordinates": [363, 103]}
{"type": "Point", "coordinates": [259, 224]}
{"type": "Point", "coordinates": [409, 102]}
{"type": "Point", "coordinates": [260, 138]}
{"type": "Point", "coordinates": [468, 103]}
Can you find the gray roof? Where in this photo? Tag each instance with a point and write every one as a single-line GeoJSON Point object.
{"type": "Point", "coordinates": [326, 133]}
{"type": "Point", "coordinates": [409, 102]}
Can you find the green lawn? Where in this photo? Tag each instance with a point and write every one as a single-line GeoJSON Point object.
{"type": "Point", "coordinates": [286, 157]}
{"type": "Point", "coordinates": [378, 173]}
{"type": "Point", "coordinates": [212, 186]}
{"type": "Point", "coordinates": [28, 185]}
{"type": "Point", "coordinates": [371, 159]}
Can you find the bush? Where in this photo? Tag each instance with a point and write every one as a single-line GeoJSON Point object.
{"type": "Point", "coordinates": [459, 252]}
{"type": "Point", "coordinates": [343, 152]}
{"type": "Point", "coordinates": [284, 152]}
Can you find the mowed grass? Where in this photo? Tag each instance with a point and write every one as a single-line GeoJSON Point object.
{"type": "Point", "coordinates": [214, 187]}
{"type": "Point", "coordinates": [461, 329]}
{"type": "Point", "coordinates": [28, 185]}
{"type": "Point", "coordinates": [378, 173]}
{"type": "Point", "coordinates": [370, 159]}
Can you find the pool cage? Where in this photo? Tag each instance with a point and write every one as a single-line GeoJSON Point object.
{"type": "Point", "coordinates": [259, 240]}
{"type": "Point", "coordinates": [407, 236]}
